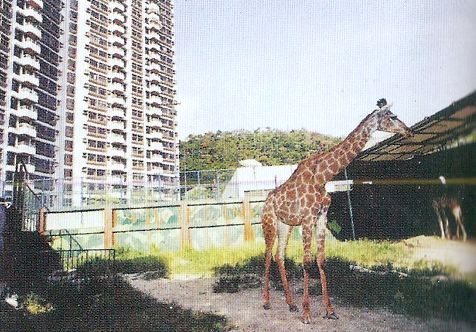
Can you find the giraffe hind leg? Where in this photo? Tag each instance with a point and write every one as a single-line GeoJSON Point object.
{"type": "Point", "coordinates": [321, 238]}
{"type": "Point", "coordinates": [269, 230]}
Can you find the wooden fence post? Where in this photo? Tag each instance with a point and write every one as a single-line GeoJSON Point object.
{"type": "Point", "coordinates": [184, 220]}
{"type": "Point", "coordinates": [108, 238]}
{"type": "Point", "coordinates": [248, 230]}
{"type": "Point", "coordinates": [224, 212]}
{"type": "Point", "coordinates": [42, 225]}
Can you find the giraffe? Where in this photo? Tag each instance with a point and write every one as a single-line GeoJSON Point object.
{"type": "Point", "coordinates": [303, 200]}
{"type": "Point", "coordinates": [441, 205]}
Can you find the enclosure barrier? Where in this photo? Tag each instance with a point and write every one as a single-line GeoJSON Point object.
{"type": "Point", "coordinates": [174, 226]}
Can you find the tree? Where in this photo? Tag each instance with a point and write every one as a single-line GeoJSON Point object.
{"type": "Point", "coordinates": [224, 149]}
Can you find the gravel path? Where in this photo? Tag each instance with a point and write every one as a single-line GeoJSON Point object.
{"type": "Point", "coordinates": [244, 309]}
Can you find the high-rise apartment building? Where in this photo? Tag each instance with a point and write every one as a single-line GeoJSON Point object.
{"type": "Point", "coordinates": [5, 34]}
{"type": "Point", "coordinates": [90, 98]}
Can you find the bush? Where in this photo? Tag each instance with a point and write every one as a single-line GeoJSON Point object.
{"type": "Point", "coordinates": [152, 267]}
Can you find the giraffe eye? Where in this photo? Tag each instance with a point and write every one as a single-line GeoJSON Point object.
{"type": "Point", "coordinates": [393, 116]}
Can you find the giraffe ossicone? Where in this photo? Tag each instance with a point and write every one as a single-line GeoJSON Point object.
{"type": "Point", "coordinates": [303, 200]}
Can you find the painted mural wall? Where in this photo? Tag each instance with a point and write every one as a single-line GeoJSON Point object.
{"type": "Point", "coordinates": [167, 227]}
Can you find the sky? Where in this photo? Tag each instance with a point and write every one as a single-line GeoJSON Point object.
{"type": "Point", "coordinates": [318, 65]}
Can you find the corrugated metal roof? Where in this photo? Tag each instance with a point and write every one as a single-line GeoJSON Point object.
{"type": "Point", "coordinates": [430, 135]}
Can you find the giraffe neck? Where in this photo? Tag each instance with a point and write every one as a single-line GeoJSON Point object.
{"type": "Point", "coordinates": [339, 157]}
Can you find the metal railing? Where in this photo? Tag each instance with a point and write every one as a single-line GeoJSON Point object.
{"type": "Point", "coordinates": [58, 265]}
{"type": "Point", "coordinates": [97, 262]}
{"type": "Point", "coordinates": [89, 193]}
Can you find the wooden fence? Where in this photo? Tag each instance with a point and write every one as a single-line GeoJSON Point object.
{"type": "Point", "coordinates": [172, 226]}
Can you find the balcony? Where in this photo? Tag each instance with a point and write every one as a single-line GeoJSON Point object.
{"type": "Point", "coordinates": [118, 153]}
{"type": "Point", "coordinates": [118, 29]}
{"type": "Point", "coordinates": [26, 113]}
{"type": "Point", "coordinates": [153, 110]}
{"type": "Point", "coordinates": [27, 95]}
{"type": "Point", "coordinates": [24, 148]}
{"type": "Point", "coordinates": [32, 13]}
{"type": "Point", "coordinates": [154, 122]}
{"type": "Point", "coordinates": [117, 179]}
{"type": "Point", "coordinates": [26, 129]}
{"type": "Point", "coordinates": [117, 112]}
{"type": "Point", "coordinates": [169, 139]}
{"type": "Point", "coordinates": [116, 63]}
{"type": "Point", "coordinates": [30, 168]}
{"type": "Point", "coordinates": [117, 101]}
{"type": "Point", "coordinates": [155, 100]}
{"type": "Point", "coordinates": [155, 78]}
{"type": "Point", "coordinates": [155, 66]}
{"type": "Point", "coordinates": [30, 30]}
{"type": "Point", "coordinates": [156, 146]}
{"type": "Point", "coordinates": [117, 75]}
{"type": "Point", "coordinates": [154, 170]}
{"type": "Point", "coordinates": [169, 161]}
{"type": "Point", "coordinates": [28, 62]}
{"type": "Point", "coordinates": [154, 22]}
{"type": "Point", "coordinates": [116, 5]}
{"type": "Point", "coordinates": [153, 7]}
{"type": "Point", "coordinates": [115, 138]}
{"type": "Point", "coordinates": [117, 18]}
{"type": "Point", "coordinates": [10, 168]}
{"type": "Point", "coordinates": [117, 87]}
{"type": "Point", "coordinates": [38, 4]}
{"type": "Point", "coordinates": [118, 41]}
{"type": "Point", "coordinates": [114, 166]}
{"type": "Point", "coordinates": [116, 125]}
{"type": "Point", "coordinates": [155, 133]}
{"type": "Point", "coordinates": [29, 46]}
{"type": "Point", "coordinates": [28, 80]}
{"type": "Point", "coordinates": [118, 52]}
{"type": "Point", "coordinates": [156, 158]}
{"type": "Point", "coordinates": [153, 35]}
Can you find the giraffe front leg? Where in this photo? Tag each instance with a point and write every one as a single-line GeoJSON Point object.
{"type": "Point", "coordinates": [321, 238]}
{"type": "Point", "coordinates": [447, 226]}
{"type": "Point", "coordinates": [283, 235]}
{"type": "Point", "coordinates": [307, 262]}
{"type": "Point", "coordinates": [440, 220]}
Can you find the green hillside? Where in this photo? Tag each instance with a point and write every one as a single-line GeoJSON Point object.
{"type": "Point", "coordinates": [223, 150]}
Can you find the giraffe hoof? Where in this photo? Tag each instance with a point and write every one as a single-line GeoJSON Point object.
{"type": "Point", "coordinates": [306, 320]}
{"type": "Point", "coordinates": [293, 308]}
{"type": "Point", "coordinates": [331, 315]}
{"type": "Point", "coordinates": [266, 306]}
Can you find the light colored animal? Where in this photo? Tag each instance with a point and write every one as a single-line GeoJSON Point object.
{"type": "Point", "coordinates": [303, 200]}
{"type": "Point", "coordinates": [447, 203]}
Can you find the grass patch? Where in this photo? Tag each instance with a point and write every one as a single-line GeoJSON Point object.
{"type": "Point", "coordinates": [105, 305]}
{"type": "Point", "coordinates": [366, 253]}
{"type": "Point", "coordinates": [203, 263]}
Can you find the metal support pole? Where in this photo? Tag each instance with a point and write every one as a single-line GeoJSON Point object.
{"type": "Point", "coordinates": [350, 207]}
{"type": "Point", "coordinates": [217, 176]}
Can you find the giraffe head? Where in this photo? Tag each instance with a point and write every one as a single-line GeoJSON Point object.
{"type": "Point", "coordinates": [387, 121]}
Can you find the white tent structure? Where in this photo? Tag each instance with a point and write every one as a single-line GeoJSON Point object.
{"type": "Point", "coordinates": [253, 179]}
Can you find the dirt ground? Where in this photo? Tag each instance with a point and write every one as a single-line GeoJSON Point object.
{"type": "Point", "coordinates": [245, 311]}
{"type": "Point", "coordinates": [461, 255]}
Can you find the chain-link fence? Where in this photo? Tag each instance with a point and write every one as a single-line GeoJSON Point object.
{"type": "Point", "coordinates": [84, 192]}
